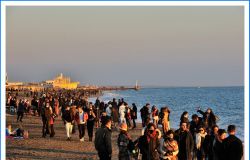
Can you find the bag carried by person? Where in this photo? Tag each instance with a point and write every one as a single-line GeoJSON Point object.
{"type": "Point", "coordinates": [26, 134]}
{"type": "Point", "coordinates": [136, 151]}
{"type": "Point", "coordinates": [131, 146]}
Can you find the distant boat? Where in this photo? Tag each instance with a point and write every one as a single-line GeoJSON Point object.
{"type": "Point", "coordinates": [137, 87]}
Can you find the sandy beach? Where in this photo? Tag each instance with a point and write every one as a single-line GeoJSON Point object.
{"type": "Point", "coordinates": [57, 147]}
{"type": "Point", "coordinates": [37, 147]}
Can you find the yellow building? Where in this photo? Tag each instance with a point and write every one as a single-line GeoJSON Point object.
{"type": "Point", "coordinates": [63, 82]}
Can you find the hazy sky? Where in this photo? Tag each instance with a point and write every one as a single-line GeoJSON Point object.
{"type": "Point", "coordinates": [164, 46]}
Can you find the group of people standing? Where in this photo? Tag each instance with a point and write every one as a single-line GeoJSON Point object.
{"type": "Point", "coordinates": [198, 139]}
{"type": "Point", "coordinates": [77, 115]}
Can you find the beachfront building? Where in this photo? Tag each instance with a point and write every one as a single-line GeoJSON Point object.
{"type": "Point", "coordinates": [62, 82]}
{"type": "Point", "coordinates": [14, 83]}
{"type": "Point", "coordinates": [23, 86]}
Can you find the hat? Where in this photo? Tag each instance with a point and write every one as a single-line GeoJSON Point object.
{"type": "Point", "coordinates": [123, 127]}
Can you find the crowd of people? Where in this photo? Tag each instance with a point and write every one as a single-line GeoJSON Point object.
{"type": "Point", "coordinates": [198, 139]}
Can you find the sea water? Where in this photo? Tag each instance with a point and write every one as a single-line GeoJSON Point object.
{"type": "Point", "coordinates": [226, 102]}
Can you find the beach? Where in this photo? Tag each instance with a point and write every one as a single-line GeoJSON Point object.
{"type": "Point", "coordinates": [182, 64]}
{"type": "Point", "coordinates": [178, 99]}
{"type": "Point", "coordinates": [36, 147]}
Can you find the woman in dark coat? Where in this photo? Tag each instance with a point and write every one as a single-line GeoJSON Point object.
{"type": "Point", "coordinates": [90, 122]}
{"type": "Point", "coordinates": [149, 143]}
{"type": "Point", "coordinates": [209, 119]}
{"type": "Point", "coordinates": [115, 113]}
{"type": "Point", "coordinates": [123, 142]}
{"type": "Point", "coordinates": [134, 114]}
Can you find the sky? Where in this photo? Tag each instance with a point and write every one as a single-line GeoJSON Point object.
{"type": "Point", "coordinates": [158, 46]}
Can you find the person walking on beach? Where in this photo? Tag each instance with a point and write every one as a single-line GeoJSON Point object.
{"type": "Point", "coordinates": [185, 142]}
{"type": "Point", "coordinates": [81, 119]}
{"type": "Point", "coordinates": [97, 112]}
{"type": "Point", "coordinates": [13, 104]}
{"type": "Point", "coordinates": [27, 107]}
{"type": "Point", "coordinates": [50, 119]}
{"type": "Point", "coordinates": [149, 143]}
{"type": "Point", "coordinates": [97, 102]}
{"type": "Point", "coordinates": [144, 113]}
{"type": "Point", "coordinates": [45, 129]}
{"type": "Point", "coordinates": [233, 147]}
{"type": "Point", "coordinates": [73, 112]}
{"type": "Point", "coordinates": [122, 111]}
{"type": "Point", "coordinates": [34, 105]}
{"type": "Point", "coordinates": [103, 143]}
{"type": "Point", "coordinates": [68, 120]}
{"type": "Point", "coordinates": [218, 147]}
{"type": "Point", "coordinates": [56, 106]}
{"type": "Point", "coordinates": [20, 110]}
{"type": "Point", "coordinates": [165, 120]}
{"type": "Point", "coordinates": [109, 109]}
{"type": "Point", "coordinates": [134, 114]}
{"type": "Point", "coordinates": [123, 142]}
{"type": "Point", "coordinates": [155, 115]}
{"type": "Point", "coordinates": [114, 104]}
{"type": "Point", "coordinates": [115, 113]}
{"type": "Point", "coordinates": [90, 123]}
{"type": "Point", "coordinates": [168, 147]}
{"type": "Point", "coordinates": [128, 115]}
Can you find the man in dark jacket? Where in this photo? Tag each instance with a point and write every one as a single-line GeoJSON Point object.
{"type": "Point", "coordinates": [45, 129]}
{"type": "Point", "coordinates": [103, 143]}
{"type": "Point", "coordinates": [134, 114]}
{"type": "Point", "coordinates": [20, 111]}
{"type": "Point", "coordinates": [209, 142]}
{"type": "Point", "coordinates": [195, 124]}
{"type": "Point", "coordinates": [97, 102]}
{"type": "Point", "coordinates": [185, 142]}
{"type": "Point", "coordinates": [145, 113]}
{"type": "Point", "coordinates": [68, 121]}
{"type": "Point", "coordinates": [218, 147]}
{"type": "Point", "coordinates": [232, 145]}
